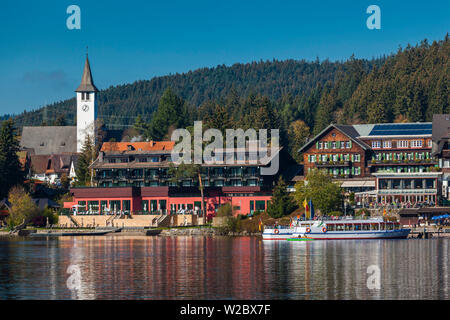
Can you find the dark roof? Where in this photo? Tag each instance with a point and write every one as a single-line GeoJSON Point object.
{"type": "Point", "coordinates": [348, 130]}
{"type": "Point", "coordinates": [42, 203]}
{"type": "Point", "coordinates": [87, 83]}
{"type": "Point", "coordinates": [441, 132]}
{"type": "Point", "coordinates": [49, 139]}
{"type": "Point", "coordinates": [402, 129]}
{"type": "Point", "coordinates": [55, 163]}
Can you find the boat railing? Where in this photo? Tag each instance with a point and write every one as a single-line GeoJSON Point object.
{"type": "Point", "coordinates": [277, 227]}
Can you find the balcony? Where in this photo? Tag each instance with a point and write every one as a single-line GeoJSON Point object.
{"type": "Point", "coordinates": [406, 191]}
{"type": "Point", "coordinates": [403, 162]}
{"type": "Point", "coordinates": [333, 164]}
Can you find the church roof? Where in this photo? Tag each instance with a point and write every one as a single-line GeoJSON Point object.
{"type": "Point", "coordinates": [87, 83]}
{"type": "Point", "coordinates": [50, 140]}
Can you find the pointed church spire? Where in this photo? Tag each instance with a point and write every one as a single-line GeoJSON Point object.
{"type": "Point", "coordinates": [87, 83]}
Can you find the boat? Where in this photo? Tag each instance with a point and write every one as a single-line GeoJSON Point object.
{"type": "Point", "coordinates": [277, 232]}
{"type": "Point", "coordinates": [347, 229]}
{"type": "Point", "coordinates": [300, 239]}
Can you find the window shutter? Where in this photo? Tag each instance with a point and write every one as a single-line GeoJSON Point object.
{"type": "Point", "coordinates": [350, 144]}
{"type": "Point", "coordinates": [352, 157]}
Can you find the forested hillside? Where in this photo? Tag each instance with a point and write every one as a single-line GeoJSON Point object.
{"type": "Point", "coordinates": [274, 79]}
{"type": "Point", "coordinates": [301, 98]}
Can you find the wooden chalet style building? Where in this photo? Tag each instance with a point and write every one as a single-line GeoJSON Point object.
{"type": "Point", "coordinates": [135, 177]}
{"type": "Point", "coordinates": [441, 150]}
{"type": "Point", "coordinates": [392, 162]}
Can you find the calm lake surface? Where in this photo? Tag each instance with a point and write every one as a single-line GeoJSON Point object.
{"type": "Point", "coordinates": [193, 267]}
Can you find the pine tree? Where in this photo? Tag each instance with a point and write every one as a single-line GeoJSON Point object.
{"type": "Point", "coordinates": [86, 158]}
{"type": "Point", "coordinates": [11, 172]}
{"type": "Point", "coordinates": [281, 203]}
{"type": "Point", "coordinates": [297, 134]}
{"type": "Point", "coordinates": [170, 114]}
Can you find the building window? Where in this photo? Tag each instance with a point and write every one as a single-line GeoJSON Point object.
{"type": "Point", "coordinates": [416, 143]}
{"type": "Point", "coordinates": [348, 145]}
{"type": "Point", "coordinates": [357, 158]}
{"type": "Point", "coordinates": [333, 144]}
{"type": "Point", "coordinates": [87, 96]}
{"type": "Point", "coordinates": [387, 144]}
{"type": "Point", "coordinates": [430, 143]}
{"type": "Point", "coordinates": [126, 205]}
{"type": "Point", "coordinates": [320, 145]}
{"type": "Point", "coordinates": [260, 205]}
{"type": "Point", "coordinates": [376, 144]}
{"type": "Point", "coordinates": [402, 144]}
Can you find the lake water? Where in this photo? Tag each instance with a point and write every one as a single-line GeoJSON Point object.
{"type": "Point", "coordinates": [192, 267]}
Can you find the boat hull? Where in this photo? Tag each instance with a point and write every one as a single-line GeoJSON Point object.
{"type": "Point", "coordinates": [283, 234]}
{"type": "Point", "coordinates": [355, 235]}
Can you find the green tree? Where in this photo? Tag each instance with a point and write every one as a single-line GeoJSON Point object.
{"type": "Point", "coordinates": [298, 133]}
{"type": "Point", "coordinates": [88, 155]}
{"type": "Point", "coordinates": [60, 120]}
{"type": "Point", "coordinates": [281, 203]}
{"type": "Point", "coordinates": [325, 194]}
{"type": "Point", "coordinates": [170, 114]}
{"type": "Point", "coordinates": [10, 169]}
{"type": "Point", "coordinates": [23, 208]}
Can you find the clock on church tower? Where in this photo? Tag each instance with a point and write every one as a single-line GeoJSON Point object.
{"type": "Point", "coordinates": [86, 107]}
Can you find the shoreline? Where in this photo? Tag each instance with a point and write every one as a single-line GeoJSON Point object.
{"type": "Point", "coordinates": [183, 231]}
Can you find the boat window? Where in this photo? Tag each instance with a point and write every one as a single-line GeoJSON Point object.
{"type": "Point", "coordinates": [382, 226]}
{"type": "Point", "coordinates": [348, 227]}
{"type": "Point", "coordinates": [357, 227]}
{"type": "Point", "coordinates": [331, 227]}
{"type": "Point", "coordinates": [366, 226]}
{"type": "Point", "coordinates": [375, 226]}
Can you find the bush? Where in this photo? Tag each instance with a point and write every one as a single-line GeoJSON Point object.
{"type": "Point", "coordinates": [225, 211]}
{"type": "Point", "coordinates": [41, 219]}
{"type": "Point", "coordinates": [335, 213]}
{"type": "Point", "coordinates": [362, 211]}
{"type": "Point", "coordinates": [233, 224]}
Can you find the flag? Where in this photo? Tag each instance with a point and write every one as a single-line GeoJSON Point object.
{"type": "Point", "coordinates": [311, 209]}
{"type": "Point", "coordinates": [260, 224]}
{"type": "Point", "coordinates": [305, 205]}
{"type": "Point", "coordinates": [384, 211]}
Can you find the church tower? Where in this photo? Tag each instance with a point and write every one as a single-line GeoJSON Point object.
{"type": "Point", "coordinates": [86, 107]}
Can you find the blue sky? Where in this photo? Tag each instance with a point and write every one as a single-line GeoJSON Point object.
{"type": "Point", "coordinates": [41, 61]}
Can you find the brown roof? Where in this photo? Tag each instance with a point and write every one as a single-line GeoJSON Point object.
{"type": "Point", "coordinates": [55, 163]}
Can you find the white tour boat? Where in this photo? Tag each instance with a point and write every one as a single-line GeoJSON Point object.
{"type": "Point", "coordinates": [346, 229]}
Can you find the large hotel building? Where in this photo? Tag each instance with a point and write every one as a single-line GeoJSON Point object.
{"type": "Point", "coordinates": [382, 163]}
{"type": "Point", "coordinates": [136, 177]}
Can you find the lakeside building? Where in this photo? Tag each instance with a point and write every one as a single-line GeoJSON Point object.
{"type": "Point", "coordinates": [135, 177]}
{"type": "Point", "coordinates": [441, 150]}
{"type": "Point", "coordinates": [393, 161]}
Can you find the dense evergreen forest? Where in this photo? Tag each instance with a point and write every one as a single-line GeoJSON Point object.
{"type": "Point", "coordinates": [299, 97]}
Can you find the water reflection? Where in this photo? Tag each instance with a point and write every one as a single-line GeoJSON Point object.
{"type": "Point", "coordinates": [133, 267]}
